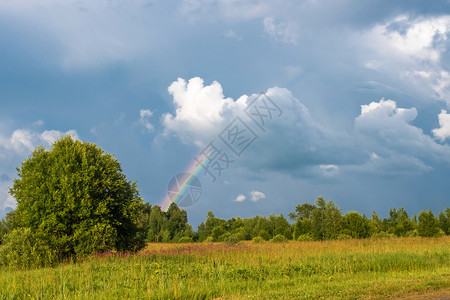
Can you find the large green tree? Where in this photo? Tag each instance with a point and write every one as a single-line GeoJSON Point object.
{"type": "Point", "coordinates": [302, 212]}
{"type": "Point", "coordinates": [428, 224]}
{"type": "Point", "coordinates": [326, 220]}
{"type": "Point", "coordinates": [76, 198]}
{"type": "Point", "coordinates": [354, 225]}
{"type": "Point", "coordinates": [177, 221]}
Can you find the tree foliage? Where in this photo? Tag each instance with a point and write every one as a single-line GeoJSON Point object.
{"type": "Point", "coordinates": [76, 199]}
{"type": "Point", "coordinates": [326, 220]}
{"type": "Point", "coordinates": [169, 226]}
{"type": "Point", "coordinates": [24, 249]}
{"type": "Point", "coordinates": [302, 212]}
{"type": "Point", "coordinates": [428, 224]}
{"type": "Point", "coordinates": [354, 225]}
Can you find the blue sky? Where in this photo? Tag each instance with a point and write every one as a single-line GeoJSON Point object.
{"type": "Point", "coordinates": [364, 88]}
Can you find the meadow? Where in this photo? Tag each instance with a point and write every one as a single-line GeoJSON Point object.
{"type": "Point", "coordinates": [344, 269]}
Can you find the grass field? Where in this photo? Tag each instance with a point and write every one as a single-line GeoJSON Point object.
{"type": "Point", "coordinates": [348, 269]}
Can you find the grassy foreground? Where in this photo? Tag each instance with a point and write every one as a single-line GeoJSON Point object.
{"type": "Point", "coordinates": [371, 268]}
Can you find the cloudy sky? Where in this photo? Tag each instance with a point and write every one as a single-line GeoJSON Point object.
{"type": "Point", "coordinates": [362, 91]}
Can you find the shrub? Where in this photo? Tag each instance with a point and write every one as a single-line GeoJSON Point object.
{"type": "Point", "coordinates": [223, 237]}
{"type": "Point", "coordinates": [440, 233]}
{"type": "Point", "coordinates": [185, 239]}
{"type": "Point", "coordinates": [24, 249]}
{"type": "Point", "coordinates": [240, 233]}
{"type": "Point", "coordinates": [232, 239]}
{"type": "Point", "coordinates": [343, 236]}
{"type": "Point", "coordinates": [209, 239]}
{"type": "Point", "coordinates": [258, 239]}
{"type": "Point", "coordinates": [412, 233]}
{"type": "Point", "coordinates": [279, 238]}
{"type": "Point", "coordinates": [264, 234]}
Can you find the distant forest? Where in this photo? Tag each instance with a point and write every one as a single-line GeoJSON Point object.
{"type": "Point", "coordinates": [320, 221]}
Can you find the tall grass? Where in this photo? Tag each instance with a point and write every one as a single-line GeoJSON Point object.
{"type": "Point", "coordinates": [337, 269]}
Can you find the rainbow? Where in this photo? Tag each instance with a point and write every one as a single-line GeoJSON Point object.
{"type": "Point", "coordinates": [194, 169]}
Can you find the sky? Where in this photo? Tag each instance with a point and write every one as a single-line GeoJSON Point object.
{"type": "Point", "coordinates": [355, 97]}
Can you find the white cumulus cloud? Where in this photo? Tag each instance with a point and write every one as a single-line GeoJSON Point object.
{"type": "Point", "coordinates": [144, 116]}
{"type": "Point", "coordinates": [50, 136]}
{"type": "Point", "coordinates": [24, 140]}
{"type": "Point", "coordinates": [408, 38]}
{"type": "Point", "coordinates": [386, 110]}
{"type": "Point", "coordinates": [443, 132]}
{"type": "Point", "coordinates": [256, 196]}
{"type": "Point", "coordinates": [411, 49]}
{"type": "Point", "coordinates": [240, 198]}
{"type": "Point", "coordinates": [329, 170]}
{"type": "Point", "coordinates": [200, 110]}
{"type": "Point", "coordinates": [385, 129]}
{"type": "Point", "coordinates": [304, 146]}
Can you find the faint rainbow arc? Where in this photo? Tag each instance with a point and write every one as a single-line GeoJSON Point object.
{"type": "Point", "coordinates": [194, 169]}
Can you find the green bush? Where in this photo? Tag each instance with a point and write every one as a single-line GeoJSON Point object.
{"type": "Point", "coordinates": [23, 249]}
{"type": "Point", "coordinates": [440, 233]}
{"type": "Point", "coordinates": [343, 236]}
{"type": "Point", "coordinates": [185, 239]}
{"type": "Point", "coordinates": [279, 238]}
{"type": "Point", "coordinates": [232, 239]}
{"type": "Point", "coordinates": [100, 238]}
{"type": "Point", "coordinates": [412, 233]}
{"type": "Point", "coordinates": [258, 239]}
{"type": "Point", "coordinates": [264, 234]}
{"type": "Point", "coordinates": [240, 234]}
{"type": "Point", "coordinates": [209, 239]}
{"type": "Point", "coordinates": [305, 237]}
{"type": "Point", "coordinates": [223, 237]}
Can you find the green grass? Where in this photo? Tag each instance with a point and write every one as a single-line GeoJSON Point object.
{"type": "Point", "coordinates": [334, 269]}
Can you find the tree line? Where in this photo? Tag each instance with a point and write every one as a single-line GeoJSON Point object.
{"type": "Point", "coordinates": [320, 221]}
